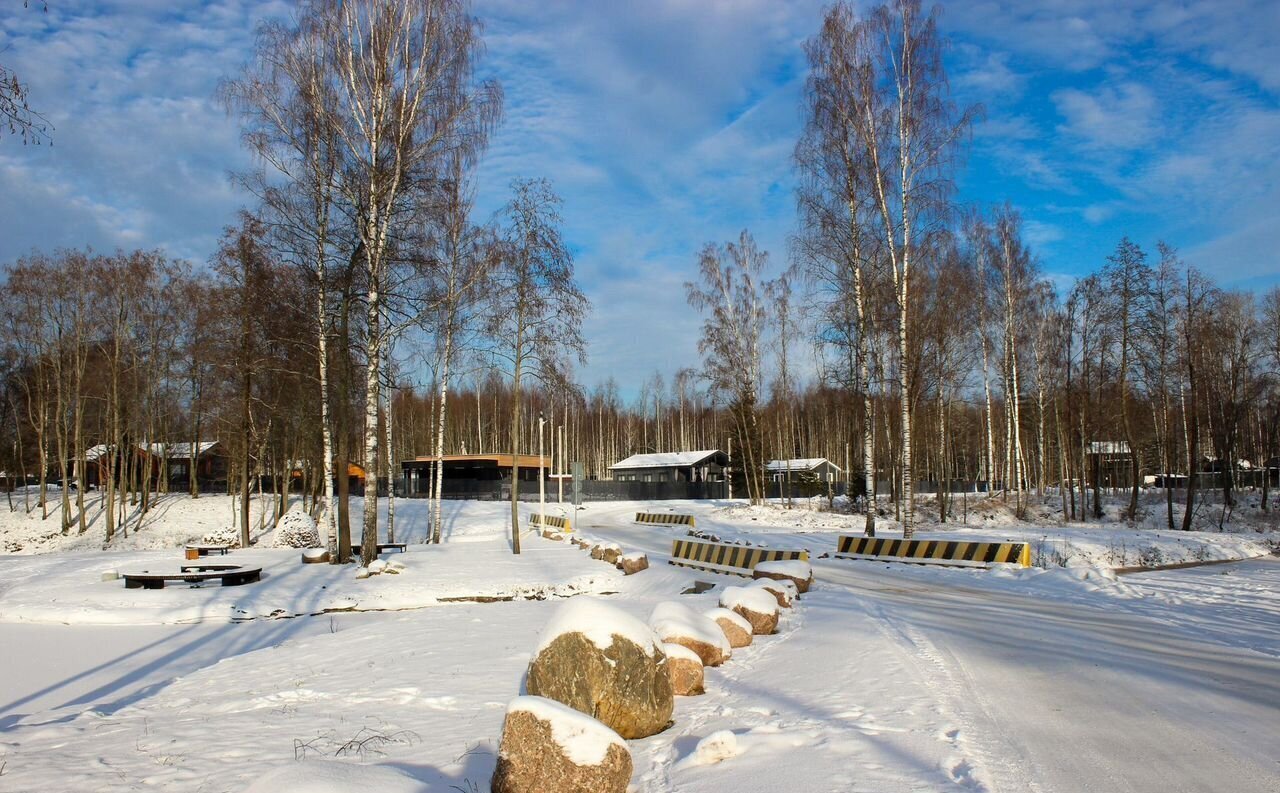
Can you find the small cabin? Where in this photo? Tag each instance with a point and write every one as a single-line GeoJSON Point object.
{"type": "Point", "coordinates": [804, 469]}
{"type": "Point", "coordinates": [700, 466]}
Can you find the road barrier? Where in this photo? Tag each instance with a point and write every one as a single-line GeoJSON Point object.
{"type": "Point", "coordinates": [959, 554]}
{"type": "Point", "coordinates": [718, 557]}
{"type": "Point", "coordinates": [664, 519]}
{"type": "Point", "coordinates": [553, 522]}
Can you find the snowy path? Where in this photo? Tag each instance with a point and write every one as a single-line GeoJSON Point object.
{"type": "Point", "coordinates": [1174, 687]}
{"type": "Point", "coordinates": [1089, 699]}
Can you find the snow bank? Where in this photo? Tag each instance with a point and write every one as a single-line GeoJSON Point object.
{"type": "Point", "coordinates": [752, 598]}
{"type": "Point", "coordinates": [585, 740]}
{"type": "Point", "coordinates": [599, 622]}
{"type": "Point", "coordinates": [326, 776]}
{"type": "Point", "coordinates": [792, 568]}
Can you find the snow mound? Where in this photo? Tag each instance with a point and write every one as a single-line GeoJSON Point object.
{"type": "Point", "coordinates": [227, 535]}
{"type": "Point", "coordinates": [792, 568]}
{"type": "Point", "coordinates": [325, 776]}
{"type": "Point", "coordinates": [752, 598]}
{"type": "Point", "coordinates": [717, 746]}
{"type": "Point", "coordinates": [599, 622]}
{"type": "Point", "coordinates": [297, 529]}
{"type": "Point", "coordinates": [314, 554]}
{"type": "Point", "coordinates": [585, 741]}
{"type": "Point", "coordinates": [676, 620]}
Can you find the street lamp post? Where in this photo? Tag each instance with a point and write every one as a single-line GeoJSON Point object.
{"type": "Point", "coordinates": [542, 482]}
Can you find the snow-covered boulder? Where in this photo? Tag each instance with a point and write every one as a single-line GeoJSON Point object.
{"type": "Point", "coordinates": [685, 668]}
{"type": "Point", "coordinates": [607, 551]}
{"type": "Point", "coordinates": [377, 567]}
{"type": "Point", "coordinates": [315, 556]}
{"type": "Point", "coordinates": [297, 529]}
{"type": "Point", "coordinates": [676, 623]}
{"type": "Point", "coordinates": [757, 606]}
{"type": "Point", "coordinates": [797, 571]}
{"type": "Point", "coordinates": [632, 563]}
{"type": "Point", "coordinates": [784, 590]}
{"type": "Point", "coordinates": [547, 746]}
{"type": "Point", "coordinates": [736, 629]}
{"type": "Point", "coordinates": [600, 660]}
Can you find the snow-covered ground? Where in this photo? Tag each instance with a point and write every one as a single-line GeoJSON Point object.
{"type": "Point", "coordinates": [884, 678]}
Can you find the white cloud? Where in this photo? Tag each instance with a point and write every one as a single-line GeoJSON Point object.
{"type": "Point", "coordinates": [1118, 118]}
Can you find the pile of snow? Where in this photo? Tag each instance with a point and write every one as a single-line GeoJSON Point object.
{"type": "Point", "coordinates": [227, 535]}
{"type": "Point", "coordinates": [297, 529]}
{"type": "Point", "coordinates": [717, 746]}
{"type": "Point", "coordinates": [792, 568]}
{"type": "Point", "coordinates": [599, 622]}
{"type": "Point", "coordinates": [585, 740]}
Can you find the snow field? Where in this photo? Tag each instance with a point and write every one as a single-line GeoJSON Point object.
{"type": "Point", "coordinates": [889, 678]}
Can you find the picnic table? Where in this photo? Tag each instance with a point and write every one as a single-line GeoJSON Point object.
{"type": "Point", "coordinates": [234, 576]}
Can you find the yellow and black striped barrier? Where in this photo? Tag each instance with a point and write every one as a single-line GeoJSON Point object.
{"type": "Point", "coordinates": [667, 519]}
{"type": "Point", "coordinates": [718, 557]}
{"type": "Point", "coordinates": [553, 522]}
{"type": "Point", "coordinates": [960, 554]}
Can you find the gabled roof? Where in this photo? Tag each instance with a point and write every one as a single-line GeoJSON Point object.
{"type": "Point", "coordinates": [666, 459]}
{"type": "Point", "coordinates": [801, 464]}
{"type": "Point", "coordinates": [175, 450]}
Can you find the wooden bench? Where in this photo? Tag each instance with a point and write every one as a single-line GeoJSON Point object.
{"type": "Point", "coordinates": [715, 557]}
{"type": "Point", "coordinates": [383, 547]}
{"type": "Point", "coordinates": [206, 550]}
{"type": "Point", "coordinates": [233, 577]}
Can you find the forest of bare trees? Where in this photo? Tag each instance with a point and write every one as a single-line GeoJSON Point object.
{"type": "Point", "coordinates": [359, 311]}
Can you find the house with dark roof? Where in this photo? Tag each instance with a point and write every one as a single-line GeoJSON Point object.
{"type": "Point", "coordinates": [707, 465]}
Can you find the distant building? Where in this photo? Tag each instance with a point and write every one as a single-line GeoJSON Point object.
{"type": "Point", "coordinates": [170, 461]}
{"type": "Point", "coordinates": [800, 469]}
{"type": "Point", "coordinates": [700, 466]}
{"type": "Point", "coordinates": [473, 468]}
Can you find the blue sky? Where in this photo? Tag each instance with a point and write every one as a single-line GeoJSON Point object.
{"type": "Point", "coordinates": [670, 123]}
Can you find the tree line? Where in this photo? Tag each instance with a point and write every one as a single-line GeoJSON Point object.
{"type": "Point", "coordinates": [361, 312]}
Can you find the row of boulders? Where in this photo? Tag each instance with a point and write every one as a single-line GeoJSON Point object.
{"type": "Point", "coordinates": [607, 552]}
{"type": "Point", "coordinates": [600, 676]}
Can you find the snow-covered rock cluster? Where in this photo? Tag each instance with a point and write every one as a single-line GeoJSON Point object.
{"type": "Point", "coordinates": [297, 529]}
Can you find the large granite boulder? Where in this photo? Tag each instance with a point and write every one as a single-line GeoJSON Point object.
{"type": "Point", "coordinates": [757, 606]}
{"type": "Point", "coordinates": [677, 623]}
{"type": "Point", "coordinates": [601, 661]}
{"type": "Point", "coordinates": [686, 670]}
{"type": "Point", "coordinates": [547, 746]}
{"type": "Point", "coordinates": [736, 628]}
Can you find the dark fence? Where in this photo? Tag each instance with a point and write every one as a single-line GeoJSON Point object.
{"type": "Point", "coordinates": [592, 490]}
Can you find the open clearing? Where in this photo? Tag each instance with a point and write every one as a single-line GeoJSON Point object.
{"type": "Point", "coordinates": [884, 678]}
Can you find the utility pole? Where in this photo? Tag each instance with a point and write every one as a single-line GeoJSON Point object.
{"type": "Point", "coordinates": [542, 482]}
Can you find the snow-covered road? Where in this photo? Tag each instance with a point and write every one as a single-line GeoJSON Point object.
{"type": "Point", "coordinates": [1099, 693]}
